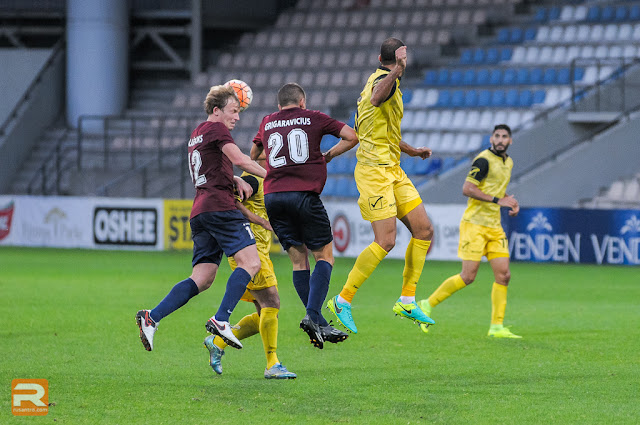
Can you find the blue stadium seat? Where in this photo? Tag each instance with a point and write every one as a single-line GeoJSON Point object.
{"type": "Point", "coordinates": [471, 99]}
{"type": "Point", "coordinates": [621, 14]}
{"type": "Point", "coordinates": [541, 15]}
{"type": "Point", "coordinates": [457, 98]}
{"type": "Point", "coordinates": [484, 98]}
{"type": "Point", "coordinates": [466, 56]}
{"type": "Point", "coordinates": [554, 13]}
{"type": "Point", "coordinates": [607, 13]}
{"type": "Point", "coordinates": [330, 185]}
{"type": "Point", "coordinates": [505, 54]}
{"type": "Point", "coordinates": [563, 76]}
{"type": "Point", "coordinates": [526, 98]}
{"type": "Point", "coordinates": [539, 96]}
{"type": "Point", "coordinates": [455, 78]}
{"type": "Point", "coordinates": [523, 76]}
{"type": "Point", "coordinates": [517, 35]}
{"type": "Point", "coordinates": [431, 78]}
{"type": "Point", "coordinates": [530, 34]}
{"type": "Point", "coordinates": [634, 13]}
{"type": "Point", "coordinates": [443, 77]}
{"type": "Point", "coordinates": [482, 78]}
{"type": "Point", "coordinates": [444, 98]}
{"type": "Point", "coordinates": [448, 163]}
{"type": "Point", "coordinates": [578, 73]}
{"type": "Point", "coordinates": [492, 55]}
{"type": "Point", "coordinates": [512, 98]}
{"type": "Point", "coordinates": [549, 76]}
{"type": "Point", "coordinates": [408, 164]}
{"type": "Point", "coordinates": [407, 95]}
{"type": "Point", "coordinates": [495, 77]}
{"type": "Point", "coordinates": [435, 165]}
{"type": "Point", "coordinates": [469, 78]}
{"type": "Point", "coordinates": [503, 35]}
{"type": "Point", "coordinates": [509, 77]}
{"type": "Point", "coordinates": [478, 56]}
{"type": "Point", "coordinates": [535, 76]}
{"type": "Point", "coordinates": [421, 166]}
{"type": "Point", "coordinates": [593, 14]}
{"type": "Point", "coordinates": [486, 140]}
{"type": "Point", "coordinates": [498, 98]}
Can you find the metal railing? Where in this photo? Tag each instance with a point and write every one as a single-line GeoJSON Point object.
{"type": "Point", "coordinates": [53, 165]}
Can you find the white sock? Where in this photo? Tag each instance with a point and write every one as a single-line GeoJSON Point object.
{"type": "Point", "coordinates": [407, 300]}
{"type": "Point", "coordinates": [342, 300]}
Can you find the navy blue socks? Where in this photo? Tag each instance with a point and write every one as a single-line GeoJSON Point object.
{"type": "Point", "coordinates": [176, 298]}
{"type": "Point", "coordinates": [236, 285]}
{"type": "Point", "coordinates": [318, 288]}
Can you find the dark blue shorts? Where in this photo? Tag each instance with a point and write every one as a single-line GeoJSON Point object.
{"type": "Point", "coordinates": [216, 232]}
{"type": "Point", "coordinates": [299, 218]}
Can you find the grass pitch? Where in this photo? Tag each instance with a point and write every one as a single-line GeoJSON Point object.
{"type": "Point", "coordinates": [68, 316]}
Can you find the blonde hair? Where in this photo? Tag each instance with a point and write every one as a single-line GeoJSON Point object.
{"type": "Point", "coordinates": [219, 96]}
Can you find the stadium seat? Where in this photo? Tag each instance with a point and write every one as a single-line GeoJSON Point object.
{"type": "Point", "coordinates": [634, 13]}
{"type": "Point", "coordinates": [434, 166]}
{"type": "Point", "coordinates": [607, 13]}
{"type": "Point", "coordinates": [593, 14]}
{"type": "Point", "coordinates": [535, 76]}
{"type": "Point", "coordinates": [555, 35]}
{"type": "Point", "coordinates": [443, 77]}
{"type": "Point", "coordinates": [484, 98]}
{"type": "Point", "coordinates": [459, 118]}
{"type": "Point", "coordinates": [471, 98]}
{"type": "Point", "coordinates": [466, 56]}
{"type": "Point", "coordinates": [540, 15]}
{"type": "Point", "coordinates": [472, 120]}
{"type": "Point", "coordinates": [444, 98]}
{"type": "Point", "coordinates": [431, 78]}
{"type": "Point", "coordinates": [455, 78]}
{"type": "Point", "coordinates": [503, 35]}
{"type": "Point", "coordinates": [511, 98]}
{"type": "Point", "coordinates": [549, 76]}
{"type": "Point", "coordinates": [505, 54]}
{"type": "Point", "coordinates": [469, 78]}
{"type": "Point", "coordinates": [530, 34]}
{"type": "Point", "coordinates": [457, 98]}
{"type": "Point", "coordinates": [482, 77]}
{"type": "Point", "coordinates": [495, 77]}
{"type": "Point", "coordinates": [478, 56]}
{"type": "Point", "coordinates": [554, 13]}
{"type": "Point", "coordinates": [509, 77]}
{"type": "Point", "coordinates": [523, 76]}
{"type": "Point", "coordinates": [525, 98]}
{"type": "Point", "coordinates": [538, 97]}
{"type": "Point", "coordinates": [498, 98]}
{"type": "Point", "coordinates": [492, 55]}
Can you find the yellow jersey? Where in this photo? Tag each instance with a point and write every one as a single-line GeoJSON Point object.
{"type": "Point", "coordinates": [378, 128]}
{"type": "Point", "coordinates": [255, 204]}
{"type": "Point", "coordinates": [491, 173]}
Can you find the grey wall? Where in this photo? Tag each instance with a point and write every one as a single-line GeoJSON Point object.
{"type": "Point", "coordinates": [18, 68]}
{"type": "Point", "coordinates": [45, 103]}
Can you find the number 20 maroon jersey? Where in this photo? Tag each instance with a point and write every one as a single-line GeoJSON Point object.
{"type": "Point", "coordinates": [291, 140]}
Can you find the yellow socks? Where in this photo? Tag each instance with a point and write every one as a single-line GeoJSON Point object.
{"type": "Point", "coordinates": [446, 289]}
{"type": "Point", "coordinates": [413, 264]}
{"type": "Point", "coordinates": [248, 326]}
{"type": "Point", "coordinates": [269, 333]}
{"type": "Point", "coordinates": [365, 264]}
{"type": "Point", "coordinates": [498, 303]}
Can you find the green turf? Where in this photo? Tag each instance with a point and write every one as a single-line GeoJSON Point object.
{"type": "Point", "coordinates": [68, 316]}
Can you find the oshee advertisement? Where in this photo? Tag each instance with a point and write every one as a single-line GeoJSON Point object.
{"type": "Point", "coordinates": [575, 236]}
{"type": "Point", "coordinates": [352, 234]}
{"type": "Point", "coordinates": [177, 230]}
{"type": "Point", "coordinates": [74, 222]}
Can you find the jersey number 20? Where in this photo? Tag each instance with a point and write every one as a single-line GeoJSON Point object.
{"type": "Point", "coordinates": [298, 148]}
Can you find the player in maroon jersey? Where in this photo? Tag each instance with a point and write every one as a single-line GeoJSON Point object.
{"type": "Point", "coordinates": [296, 174]}
{"type": "Point", "coordinates": [217, 225]}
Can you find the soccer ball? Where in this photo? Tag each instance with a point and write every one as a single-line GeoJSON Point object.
{"type": "Point", "coordinates": [243, 91]}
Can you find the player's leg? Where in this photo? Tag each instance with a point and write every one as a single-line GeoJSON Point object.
{"type": "Point", "coordinates": [413, 215]}
{"type": "Point", "coordinates": [269, 302]}
{"type": "Point", "coordinates": [384, 240]}
{"type": "Point", "coordinates": [206, 258]}
{"type": "Point", "coordinates": [502, 274]}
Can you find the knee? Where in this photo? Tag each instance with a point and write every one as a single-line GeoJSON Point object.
{"type": "Point", "coordinates": [468, 278]}
{"type": "Point", "coordinates": [252, 267]}
{"type": "Point", "coordinates": [504, 277]}
{"type": "Point", "coordinates": [425, 233]}
{"type": "Point", "coordinates": [387, 244]}
{"type": "Point", "coordinates": [204, 283]}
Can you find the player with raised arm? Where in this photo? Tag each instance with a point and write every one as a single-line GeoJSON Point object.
{"type": "Point", "coordinates": [481, 232]}
{"type": "Point", "coordinates": [296, 174]}
{"type": "Point", "coordinates": [217, 225]}
{"type": "Point", "coordinates": [386, 193]}
{"type": "Point", "coordinates": [262, 290]}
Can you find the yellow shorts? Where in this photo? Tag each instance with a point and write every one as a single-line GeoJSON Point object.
{"type": "Point", "coordinates": [385, 192]}
{"type": "Point", "coordinates": [264, 279]}
{"type": "Point", "coordinates": [477, 241]}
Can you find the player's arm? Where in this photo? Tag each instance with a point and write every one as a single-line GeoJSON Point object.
{"type": "Point", "coordinates": [348, 139]}
{"type": "Point", "coordinates": [256, 150]}
{"type": "Point", "coordinates": [382, 90]}
{"type": "Point", "coordinates": [470, 189]}
{"type": "Point", "coordinates": [253, 217]}
{"type": "Point", "coordinates": [242, 161]}
{"type": "Point", "coordinates": [422, 152]}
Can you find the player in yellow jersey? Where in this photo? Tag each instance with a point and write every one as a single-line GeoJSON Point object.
{"type": "Point", "coordinates": [386, 193]}
{"type": "Point", "coordinates": [481, 232]}
{"type": "Point", "coordinates": [262, 290]}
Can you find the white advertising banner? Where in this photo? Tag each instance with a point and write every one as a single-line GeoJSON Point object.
{"type": "Point", "coordinates": [74, 222]}
{"type": "Point", "coordinates": [352, 234]}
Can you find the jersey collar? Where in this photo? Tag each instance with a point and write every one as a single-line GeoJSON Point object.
{"type": "Point", "coordinates": [504, 159]}
{"type": "Point", "coordinates": [384, 68]}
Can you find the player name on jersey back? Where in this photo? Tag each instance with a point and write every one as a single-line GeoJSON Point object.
{"type": "Point", "coordinates": [287, 123]}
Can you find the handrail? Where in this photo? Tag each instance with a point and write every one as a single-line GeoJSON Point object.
{"type": "Point", "coordinates": [58, 49]}
{"type": "Point", "coordinates": [56, 153]}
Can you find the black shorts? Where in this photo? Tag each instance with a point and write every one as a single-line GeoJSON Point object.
{"type": "Point", "coordinates": [299, 218]}
{"type": "Point", "coordinates": [217, 232]}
